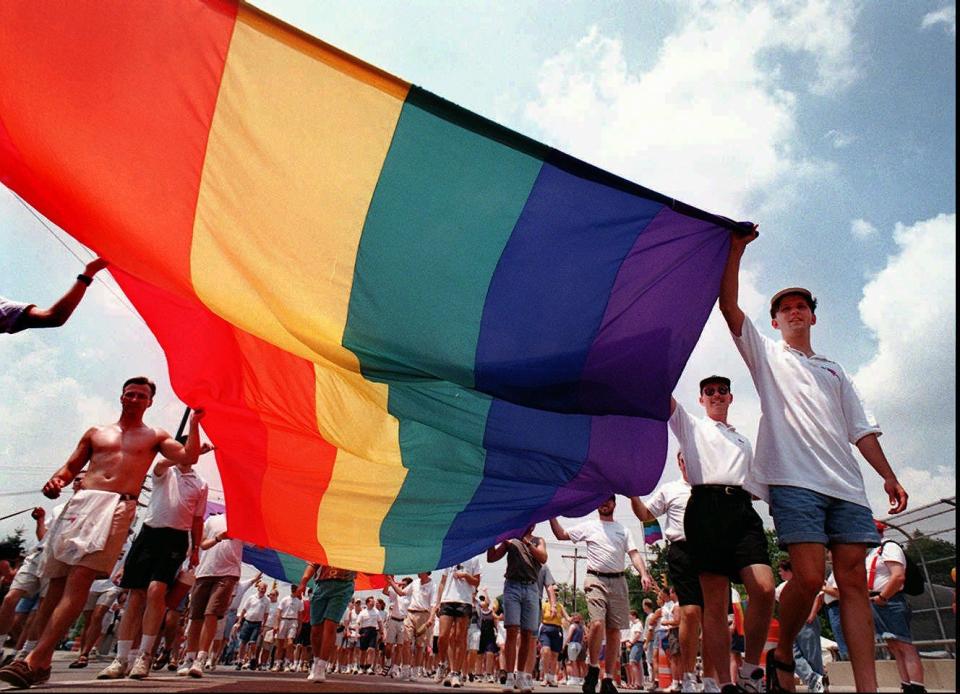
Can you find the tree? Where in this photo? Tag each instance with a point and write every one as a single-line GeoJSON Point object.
{"type": "Point", "coordinates": [12, 546]}
{"type": "Point", "coordinates": [940, 556]}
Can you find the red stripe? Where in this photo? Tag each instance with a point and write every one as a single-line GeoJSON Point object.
{"type": "Point", "coordinates": [106, 108]}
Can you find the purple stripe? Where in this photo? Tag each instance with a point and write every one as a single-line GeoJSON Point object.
{"type": "Point", "coordinates": [662, 297]}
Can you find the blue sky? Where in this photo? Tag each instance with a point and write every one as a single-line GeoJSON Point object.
{"type": "Point", "coordinates": [829, 124]}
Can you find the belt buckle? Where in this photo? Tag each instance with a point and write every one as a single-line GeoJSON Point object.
{"type": "Point", "coordinates": [729, 491]}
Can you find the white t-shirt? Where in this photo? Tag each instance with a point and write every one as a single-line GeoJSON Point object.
{"type": "Point", "coordinates": [670, 500]}
{"type": "Point", "coordinates": [811, 413]}
{"type": "Point", "coordinates": [224, 558]}
{"type": "Point", "coordinates": [369, 618]}
{"type": "Point", "coordinates": [889, 552]}
{"type": "Point", "coordinates": [398, 603]}
{"type": "Point", "coordinates": [458, 590]}
{"type": "Point", "coordinates": [422, 595]}
{"type": "Point", "coordinates": [666, 615]}
{"type": "Point", "coordinates": [239, 591]}
{"type": "Point", "coordinates": [272, 612]}
{"type": "Point", "coordinates": [10, 312]}
{"type": "Point", "coordinates": [607, 543]}
{"type": "Point", "coordinates": [714, 452]}
{"type": "Point", "coordinates": [636, 631]}
{"type": "Point", "coordinates": [177, 498]}
{"type": "Point", "coordinates": [832, 582]}
{"type": "Point", "coordinates": [255, 607]}
{"type": "Point", "coordinates": [290, 607]}
{"type": "Point", "coordinates": [778, 590]}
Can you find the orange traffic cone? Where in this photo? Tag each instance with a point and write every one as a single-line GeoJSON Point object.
{"type": "Point", "coordinates": [664, 675]}
{"type": "Point", "coordinates": [773, 638]}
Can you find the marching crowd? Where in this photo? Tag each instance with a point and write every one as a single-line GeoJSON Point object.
{"type": "Point", "coordinates": [183, 606]}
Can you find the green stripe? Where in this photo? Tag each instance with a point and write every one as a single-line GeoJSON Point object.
{"type": "Point", "coordinates": [449, 195]}
{"type": "Point", "coordinates": [292, 567]}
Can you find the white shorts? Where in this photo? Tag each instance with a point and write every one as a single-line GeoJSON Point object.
{"type": "Point", "coordinates": [108, 597]}
{"type": "Point", "coordinates": [269, 635]}
{"type": "Point", "coordinates": [27, 581]}
{"type": "Point", "coordinates": [92, 599]}
{"type": "Point", "coordinates": [289, 628]}
{"type": "Point", "coordinates": [473, 638]}
{"type": "Point", "coordinates": [394, 631]}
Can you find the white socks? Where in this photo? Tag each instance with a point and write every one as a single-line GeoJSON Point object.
{"type": "Point", "coordinates": [123, 650]}
{"type": "Point", "coordinates": [146, 643]}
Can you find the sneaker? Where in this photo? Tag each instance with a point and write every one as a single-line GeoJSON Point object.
{"type": "Point", "coordinates": [710, 686]}
{"type": "Point", "coordinates": [689, 683]}
{"type": "Point", "coordinates": [406, 674]}
{"type": "Point", "coordinates": [552, 681]}
{"type": "Point", "coordinates": [196, 670]}
{"type": "Point", "coordinates": [753, 683]}
{"type": "Point", "coordinates": [116, 670]}
{"type": "Point", "coordinates": [525, 682]}
{"type": "Point", "coordinates": [162, 660]}
{"type": "Point", "coordinates": [509, 681]}
{"type": "Point", "coordinates": [320, 676]}
{"type": "Point", "coordinates": [817, 685]}
{"type": "Point", "coordinates": [441, 673]}
{"type": "Point", "coordinates": [591, 680]}
{"type": "Point", "coordinates": [606, 687]}
{"type": "Point", "coordinates": [448, 680]}
{"type": "Point", "coordinates": [141, 667]}
{"type": "Point", "coordinates": [21, 675]}
{"type": "Point", "coordinates": [455, 681]}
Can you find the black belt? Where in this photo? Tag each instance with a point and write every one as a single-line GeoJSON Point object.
{"type": "Point", "coordinates": [521, 581]}
{"type": "Point", "coordinates": [128, 497]}
{"type": "Point", "coordinates": [602, 574]}
{"type": "Point", "coordinates": [397, 619]}
{"type": "Point", "coordinates": [726, 489]}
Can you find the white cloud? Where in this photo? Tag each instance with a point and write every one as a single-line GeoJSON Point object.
{"type": "Point", "coordinates": [910, 383]}
{"type": "Point", "coordinates": [839, 139]}
{"type": "Point", "coordinates": [712, 122]}
{"type": "Point", "coordinates": [862, 229]}
{"type": "Point", "coordinates": [946, 15]}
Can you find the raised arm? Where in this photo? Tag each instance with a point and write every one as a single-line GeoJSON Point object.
{"type": "Point", "coordinates": [189, 452]}
{"type": "Point", "coordinates": [539, 550]}
{"type": "Point", "coordinates": [59, 312]}
{"type": "Point", "coordinates": [870, 449]}
{"type": "Point", "coordinates": [640, 510]}
{"type": "Point", "coordinates": [730, 284]}
{"type": "Point", "coordinates": [496, 553]}
{"type": "Point", "coordinates": [558, 531]}
{"type": "Point", "coordinates": [39, 514]}
{"type": "Point", "coordinates": [64, 476]}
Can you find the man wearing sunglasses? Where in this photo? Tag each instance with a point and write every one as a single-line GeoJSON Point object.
{"type": "Point", "coordinates": [724, 533]}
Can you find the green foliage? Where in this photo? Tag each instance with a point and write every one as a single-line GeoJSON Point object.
{"type": "Point", "coordinates": [939, 555]}
{"type": "Point", "coordinates": [12, 546]}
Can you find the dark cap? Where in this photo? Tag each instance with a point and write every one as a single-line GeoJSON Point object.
{"type": "Point", "coordinates": [715, 379]}
{"type": "Point", "coordinates": [805, 293]}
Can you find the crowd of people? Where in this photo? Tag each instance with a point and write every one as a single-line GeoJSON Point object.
{"type": "Point", "coordinates": [184, 607]}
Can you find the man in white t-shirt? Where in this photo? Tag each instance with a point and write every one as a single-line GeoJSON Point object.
{"type": "Point", "coordinates": [811, 414]}
{"type": "Point", "coordinates": [368, 623]}
{"type": "Point", "coordinates": [455, 605]}
{"type": "Point", "coordinates": [886, 575]}
{"type": "Point", "coordinates": [172, 525]}
{"type": "Point", "coordinates": [419, 619]}
{"type": "Point", "coordinates": [670, 501]}
{"type": "Point", "coordinates": [725, 536]}
{"type": "Point", "coordinates": [253, 611]}
{"type": "Point", "coordinates": [288, 613]}
{"type": "Point", "coordinates": [393, 633]}
{"type": "Point", "coordinates": [608, 542]}
{"type": "Point", "coordinates": [217, 575]}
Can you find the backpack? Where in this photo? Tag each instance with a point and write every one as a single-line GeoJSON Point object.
{"type": "Point", "coordinates": [913, 583]}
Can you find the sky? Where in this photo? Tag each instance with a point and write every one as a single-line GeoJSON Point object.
{"type": "Point", "coordinates": [830, 124]}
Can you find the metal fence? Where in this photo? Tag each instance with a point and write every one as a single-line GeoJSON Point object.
{"type": "Point", "coordinates": [928, 533]}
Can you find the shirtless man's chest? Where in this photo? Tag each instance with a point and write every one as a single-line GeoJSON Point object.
{"type": "Point", "coordinates": [120, 459]}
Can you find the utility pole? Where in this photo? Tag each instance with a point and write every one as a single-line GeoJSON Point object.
{"type": "Point", "coordinates": [576, 556]}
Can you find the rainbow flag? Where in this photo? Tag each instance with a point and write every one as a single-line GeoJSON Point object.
{"type": "Point", "coordinates": [414, 331]}
{"type": "Point", "coordinates": [652, 532]}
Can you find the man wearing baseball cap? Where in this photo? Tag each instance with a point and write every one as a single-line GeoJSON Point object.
{"type": "Point", "coordinates": [810, 415]}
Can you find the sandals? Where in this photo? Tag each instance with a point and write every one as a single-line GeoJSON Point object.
{"type": "Point", "coordinates": [772, 665]}
{"type": "Point", "coordinates": [81, 661]}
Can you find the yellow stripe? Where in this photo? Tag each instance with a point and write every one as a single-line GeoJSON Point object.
{"type": "Point", "coordinates": [295, 149]}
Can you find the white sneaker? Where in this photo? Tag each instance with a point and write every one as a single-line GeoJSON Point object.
{"type": "Point", "coordinates": [196, 670]}
{"type": "Point", "coordinates": [752, 683]}
{"type": "Point", "coordinates": [511, 682]}
{"type": "Point", "coordinates": [525, 682]}
{"type": "Point", "coordinates": [406, 674]}
{"type": "Point", "coordinates": [441, 675]}
{"type": "Point", "coordinates": [184, 668]}
{"type": "Point", "coordinates": [816, 685]}
{"type": "Point", "coordinates": [114, 671]}
{"type": "Point", "coordinates": [141, 667]}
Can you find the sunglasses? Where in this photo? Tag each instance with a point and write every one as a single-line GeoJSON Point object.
{"type": "Point", "coordinates": [710, 390]}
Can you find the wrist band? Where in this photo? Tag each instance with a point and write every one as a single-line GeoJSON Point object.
{"type": "Point", "coordinates": [85, 279]}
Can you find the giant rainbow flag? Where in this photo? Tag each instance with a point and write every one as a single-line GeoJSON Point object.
{"type": "Point", "coordinates": [414, 331]}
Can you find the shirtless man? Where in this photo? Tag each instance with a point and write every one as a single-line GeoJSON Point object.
{"type": "Point", "coordinates": [120, 454]}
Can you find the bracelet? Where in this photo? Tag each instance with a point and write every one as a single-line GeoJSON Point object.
{"type": "Point", "coordinates": [85, 279]}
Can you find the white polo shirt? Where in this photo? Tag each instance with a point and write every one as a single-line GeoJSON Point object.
{"type": "Point", "coordinates": [255, 607]}
{"type": "Point", "coordinates": [607, 543]}
{"type": "Point", "coordinates": [714, 452]}
{"type": "Point", "coordinates": [290, 607]}
{"type": "Point", "coordinates": [177, 498]}
{"type": "Point", "coordinates": [811, 414]}
{"type": "Point", "coordinates": [422, 595]}
{"type": "Point", "coordinates": [224, 558]}
{"type": "Point", "coordinates": [670, 500]}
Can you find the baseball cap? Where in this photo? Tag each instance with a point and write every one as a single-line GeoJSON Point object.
{"type": "Point", "coordinates": [715, 379]}
{"type": "Point", "coordinates": [802, 291]}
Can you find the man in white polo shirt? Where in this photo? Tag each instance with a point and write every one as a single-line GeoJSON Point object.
{"type": "Point", "coordinates": [253, 611]}
{"type": "Point", "coordinates": [416, 626]}
{"type": "Point", "coordinates": [811, 414]}
{"type": "Point", "coordinates": [670, 500]}
{"type": "Point", "coordinates": [289, 614]}
{"type": "Point", "coordinates": [608, 602]}
{"type": "Point", "coordinates": [173, 524]}
{"type": "Point", "coordinates": [724, 533]}
{"type": "Point", "coordinates": [393, 633]}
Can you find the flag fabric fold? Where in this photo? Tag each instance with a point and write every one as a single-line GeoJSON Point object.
{"type": "Point", "coordinates": [414, 331]}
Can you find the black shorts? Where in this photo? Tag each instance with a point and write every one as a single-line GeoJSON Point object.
{"type": "Point", "coordinates": [368, 638]}
{"type": "Point", "coordinates": [155, 555]}
{"type": "Point", "coordinates": [683, 574]}
{"type": "Point", "coordinates": [724, 533]}
{"type": "Point", "coordinates": [303, 636]}
{"type": "Point", "coordinates": [455, 609]}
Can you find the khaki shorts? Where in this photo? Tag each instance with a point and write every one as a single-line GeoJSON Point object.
{"type": "Point", "coordinates": [394, 630]}
{"type": "Point", "coordinates": [102, 561]}
{"type": "Point", "coordinates": [417, 622]}
{"type": "Point", "coordinates": [608, 601]}
{"type": "Point", "coordinates": [211, 595]}
{"type": "Point", "coordinates": [28, 582]}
